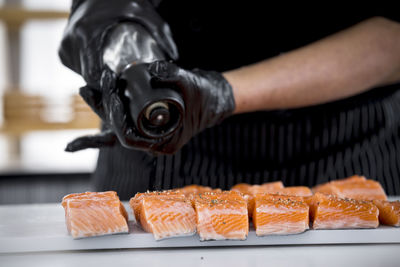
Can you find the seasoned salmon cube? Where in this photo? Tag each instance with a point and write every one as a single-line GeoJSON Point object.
{"type": "Point", "coordinates": [329, 187]}
{"type": "Point", "coordinates": [190, 191]}
{"type": "Point", "coordinates": [94, 213]}
{"type": "Point", "coordinates": [299, 191]}
{"type": "Point", "coordinates": [355, 187]}
{"type": "Point", "coordinates": [389, 212]}
{"type": "Point", "coordinates": [254, 189]}
{"type": "Point", "coordinates": [165, 214]}
{"type": "Point", "coordinates": [280, 215]}
{"type": "Point", "coordinates": [221, 216]}
{"type": "Point", "coordinates": [193, 189]}
{"type": "Point", "coordinates": [249, 191]}
{"type": "Point", "coordinates": [135, 202]}
{"type": "Point", "coordinates": [330, 212]}
{"type": "Point", "coordinates": [367, 190]}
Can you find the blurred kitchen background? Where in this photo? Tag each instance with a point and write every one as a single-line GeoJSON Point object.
{"type": "Point", "coordinates": [40, 109]}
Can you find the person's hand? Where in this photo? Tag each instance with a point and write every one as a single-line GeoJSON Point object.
{"type": "Point", "coordinates": [208, 99]}
{"type": "Point", "coordinates": [110, 105]}
{"type": "Point", "coordinates": [207, 95]}
{"type": "Point", "coordinates": [82, 50]}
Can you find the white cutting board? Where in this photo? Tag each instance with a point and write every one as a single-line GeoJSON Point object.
{"type": "Point", "coordinates": [41, 227]}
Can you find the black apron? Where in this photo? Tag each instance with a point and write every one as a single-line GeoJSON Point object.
{"type": "Point", "coordinates": [307, 146]}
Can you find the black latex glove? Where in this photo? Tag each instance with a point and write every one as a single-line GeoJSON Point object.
{"type": "Point", "coordinates": [91, 20]}
{"type": "Point", "coordinates": [208, 100]}
{"type": "Point", "coordinates": [207, 95]}
{"type": "Point", "coordinates": [82, 50]}
{"type": "Point", "coordinates": [110, 105]}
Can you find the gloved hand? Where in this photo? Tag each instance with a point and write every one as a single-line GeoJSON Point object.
{"type": "Point", "coordinates": [207, 95]}
{"type": "Point", "coordinates": [83, 49]}
{"type": "Point", "coordinates": [109, 104]}
{"type": "Point", "coordinates": [208, 100]}
{"type": "Point", "coordinates": [91, 21]}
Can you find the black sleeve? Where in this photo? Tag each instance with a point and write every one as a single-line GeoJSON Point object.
{"type": "Point", "coordinates": [90, 21]}
{"type": "Point", "coordinates": [75, 4]}
{"type": "Point", "coordinates": [389, 12]}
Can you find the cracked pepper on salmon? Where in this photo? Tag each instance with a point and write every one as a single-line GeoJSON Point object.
{"type": "Point", "coordinates": [280, 215]}
{"type": "Point", "coordinates": [330, 212]}
{"type": "Point", "coordinates": [221, 215]}
{"type": "Point", "coordinates": [355, 187]}
{"type": "Point", "coordinates": [190, 191]}
{"type": "Point", "coordinates": [193, 189]}
{"type": "Point", "coordinates": [353, 202]}
{"type": "Point", "coordinates": [298, 191]}
{"type": "Point", "coordinates": [249, 191]}
{"type": "Point", "coordinates": [94, 214]}
{"type": "Point", "coordinates": [164, 214]}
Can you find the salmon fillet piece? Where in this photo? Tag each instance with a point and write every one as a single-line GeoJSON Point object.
{"type": "Point", "coordinates": [299, 191]}
{"type": "Point", "coordinates": [221, 216]}
{"type": "Point", "coordinates": [94, 214]}
{"type": "Point", "coordinates": [355, 187]}
{"type": "Point", "coordinates": [280, 215]}
{"type": "Point", "coordinates": [164, 214]}
{"type": "Point", "coordinates": [327, 188]}
{"type": "Point", "coordinates": [249, 191]}
{"type": "Point", "coordinates": [193, 189]}
{"type": "Point", "coordinates": [331, 212]}
{"type": "Point", "coordinates": [135, 201]}
{"type": "Point", "coordinates": [351, 179]}
{"type": "Point", "coordinates": [389, 212]}
{"type": "Point", "coordinates": [254, 189]}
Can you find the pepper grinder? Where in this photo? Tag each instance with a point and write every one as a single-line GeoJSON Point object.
{"type": "Point", "coordinates": [156, 112]}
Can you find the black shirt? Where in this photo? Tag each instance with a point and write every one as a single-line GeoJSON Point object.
{"type": "Point", "coordinates": [221, 35]}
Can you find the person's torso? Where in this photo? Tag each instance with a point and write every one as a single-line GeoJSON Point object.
{"type": "Point", "coordinates": [300, 147]}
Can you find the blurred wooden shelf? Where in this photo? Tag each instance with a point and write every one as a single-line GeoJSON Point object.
{"type": "Point", "coordinates": [24, 113]}
{"type": "Point", "coordinates": [17, 15]}
{"type": "Point", "coordinates": [23, 126]}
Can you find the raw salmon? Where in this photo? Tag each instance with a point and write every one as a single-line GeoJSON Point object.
{"type": "Point", "coordinates": [221, 215]}
{"type": "Point", "coordinates": [278, 214]}
{"type": "Point", "coordinates": [327, 188]}
{"type": "Point", "coordinates": [351, 179]}
{"type": "Point", "coordinates": [297, 191]}
{"type": "Point", "coordinates": [300, 191]}
{"type": "Point", "coordinates": [355, 187]}
{"type": "Point", "coordinates": [94, 214]}
{"type": "Point", "coordinates": [389, 212]}
{"type": "Point", "coordinates": [254, 189]}
{"type": "Point", "coordinates": [331, 212]}
{"type": "Point", "coordinates": [249, 191]}
{"type": "Point", "coordinates": [193, 189]}
{"type": "Point", "coordinates": [167, 194]}
{"type": "Point", "coordinates": [165, 214]}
